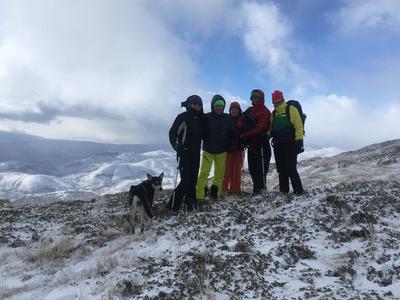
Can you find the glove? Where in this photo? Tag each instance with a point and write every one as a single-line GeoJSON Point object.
{"type": "Point", "coordinates": [299, 146]}
{"type": "Point", "coordinates": [243, 141]}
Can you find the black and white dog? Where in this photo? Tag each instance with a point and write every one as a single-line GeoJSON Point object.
{"type": "Point", "coordinates": [141, 199]}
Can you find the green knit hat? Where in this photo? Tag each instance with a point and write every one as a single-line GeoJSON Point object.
{"type": "Point", "coordinates": [219, 102]}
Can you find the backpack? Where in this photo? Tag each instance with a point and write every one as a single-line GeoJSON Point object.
{"type": "Point", "coordinates": [296, 104]}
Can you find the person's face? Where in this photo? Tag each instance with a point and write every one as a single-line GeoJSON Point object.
{"type": "Point", "coordinates": [276, 104]}
{"type": "Point", "coordinates": [196, 106]}
{"type": "Point", "coordinates": [235, 111]}
{"type": "Point", "coordinates": [255, 98]}
{"type": "Point", "coordinates": [219, 109]}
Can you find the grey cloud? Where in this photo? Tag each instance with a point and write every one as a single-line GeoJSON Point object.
{"type": "Point", "coordinates": [45, 112]}
{"type": "Point", "coordinates": [95, 60]}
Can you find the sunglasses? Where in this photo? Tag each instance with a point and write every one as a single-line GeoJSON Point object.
{"type": "Point", "coordinates": [196, 104]}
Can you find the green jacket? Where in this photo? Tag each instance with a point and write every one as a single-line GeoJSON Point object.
{"type": "Point", "coordinates": [282, 127]}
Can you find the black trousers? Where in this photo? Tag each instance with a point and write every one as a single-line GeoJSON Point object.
{"type": "Point", "coordinates": [186, 190]}
{"type": "Point", "coordinates": [258, 157]}
{"type": "Point", "coordinates": [286, 165]}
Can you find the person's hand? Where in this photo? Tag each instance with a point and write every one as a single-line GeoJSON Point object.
{"type": "Point", "coordinates": [299, 146]}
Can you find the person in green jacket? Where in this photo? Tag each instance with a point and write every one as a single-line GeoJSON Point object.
{"type": "Point", "coordinates": [287, 134]}
{"type": "Point", "coordinates": [220, 129]}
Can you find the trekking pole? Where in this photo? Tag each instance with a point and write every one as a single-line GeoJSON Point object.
{"type": "Point", "coordinates": [176, 181]}
{"type": "Point", "coordinates": [263, 168]}
{"type": "Point", "coordinates": [242, 178]}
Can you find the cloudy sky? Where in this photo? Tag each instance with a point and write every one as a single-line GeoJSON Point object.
{"type": "Point", "coordinates": [116, 71]}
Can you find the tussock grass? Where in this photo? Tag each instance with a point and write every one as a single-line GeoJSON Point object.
{"type": "Point", "coordinates": [50, 251]}
{"type": "Point", "coordinates": [63, 280]}
{"type": "Point", "coordinates": [106, 265]}
{"type": "Point", "coordinates": [4, 290]}
{"type": "Point", "coordinates": [7, 292]}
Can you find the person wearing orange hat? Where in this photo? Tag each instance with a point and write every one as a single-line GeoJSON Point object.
{"type": "Point", "coordinates": [287, 134]}
{"type": "Point", "coordinates": [234, 157]}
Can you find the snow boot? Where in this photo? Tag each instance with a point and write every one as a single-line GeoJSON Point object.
{"type": "Point", "coordinates": [214, 192]}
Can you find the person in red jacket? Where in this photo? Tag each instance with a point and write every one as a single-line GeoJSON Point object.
{"type": "Point", "coordinates": [254, 125]}
{"type": "Point", "coordinates": [234, 157]}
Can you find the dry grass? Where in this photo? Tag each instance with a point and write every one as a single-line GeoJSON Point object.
{"type": "Point", "coordinates": [7, 292]}
{"type": "Point", "coordinates": [61, 281]}
{"type": "Point", "coordinates": [111, 292]}
{"type": "Point", "coordinates": [4, 290]}
{"type": "Point", "coordinates": [50, 251]}
{"type": "Point", "coordinates": [106, 265]}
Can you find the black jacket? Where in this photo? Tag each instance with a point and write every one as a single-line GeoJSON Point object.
{"type": "Point", "coordinates": [220, 130]}
{"type": "Point", "coordinates": [188, 130]}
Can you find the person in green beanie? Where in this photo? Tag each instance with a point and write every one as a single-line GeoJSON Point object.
{"type": "Point", "coordinates": [220, 129]}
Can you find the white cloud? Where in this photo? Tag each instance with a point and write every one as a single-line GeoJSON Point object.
{"type": "Point", "coordinates": [269, 39]}
{"type": "Point", "coordinates": [110, 61]}
{"type": "Point", "coordinates": [265, 35]}
{"type": "Point", "coordinates": [369, 14]}
{"type": "Point", "coordinates": [345, 122]}
{"type": "Point", "coordinates": [196, 18]}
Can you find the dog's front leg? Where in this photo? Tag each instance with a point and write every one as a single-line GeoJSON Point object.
{"type": "Point", "coordinates": [132, 215]}
{"type": "Point", "coordinates": [142, 220]}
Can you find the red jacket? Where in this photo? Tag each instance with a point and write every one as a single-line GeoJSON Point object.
{"type": "Point", "coordinates": [262, 116]}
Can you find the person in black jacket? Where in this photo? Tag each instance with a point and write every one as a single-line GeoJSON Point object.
{"type": "Point", "coordinates": [220, 128]}
{"type": "Point", "coordinates": [185, 137]}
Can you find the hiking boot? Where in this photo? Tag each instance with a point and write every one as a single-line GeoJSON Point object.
{"type": "Point", "coordinates": [203, 205]}
{"type": "Point", "coordinates": [299, 193]}
{"type": "Point", "coordinates": [214, 192]}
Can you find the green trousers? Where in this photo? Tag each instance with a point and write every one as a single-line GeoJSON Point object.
{"type": "Point", "coordinates": [219, 171]}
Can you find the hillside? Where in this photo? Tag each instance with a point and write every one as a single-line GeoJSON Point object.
{"type": "Point", "coordinates": [340, 240]}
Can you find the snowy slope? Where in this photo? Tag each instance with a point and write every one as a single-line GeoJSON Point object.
{"type": "Point", "coordinates": [334, 243]}
{"type": "Point", "coordinates": [339, 241]}
{"type": "Point", "coordinates": [376, 162]}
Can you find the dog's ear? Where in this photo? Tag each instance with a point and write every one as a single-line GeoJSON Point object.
{"type": "Point", "coordinates": [149, 177]}
{"type": "Point", "coordinates": [161, 176]}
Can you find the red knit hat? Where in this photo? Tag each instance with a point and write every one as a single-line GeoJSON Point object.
{"type": "Point", "coordinates": [277, 96]}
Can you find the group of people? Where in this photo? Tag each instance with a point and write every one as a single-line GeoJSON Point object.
{"type": "Point", "coordinates": [224, 138]}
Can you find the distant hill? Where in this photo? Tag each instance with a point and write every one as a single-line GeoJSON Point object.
{"type": "Point", "coordinates": [36, 155]}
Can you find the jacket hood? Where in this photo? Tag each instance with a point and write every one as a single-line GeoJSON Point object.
{"type": "Point", "coordinates": [235, 104]}
{"type": "Point", "coordinates": [191, 100]}
{"type": "Point", "coordinates": [262, 99]}
{"type": "Point", "coordinates": [215, 99]}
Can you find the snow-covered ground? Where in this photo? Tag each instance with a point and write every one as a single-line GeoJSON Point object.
{"type": "Point", "coordinates": [335, 243]}
{"type": "Point", "coordinates": [339, 241]}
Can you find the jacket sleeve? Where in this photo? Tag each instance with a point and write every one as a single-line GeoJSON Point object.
{"type": "Point", "coordinates": [173, 132]}
{"type": "Point", "coordinates": [263, 123]}
{"type": "Point", "coordinates": [297, 123]}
